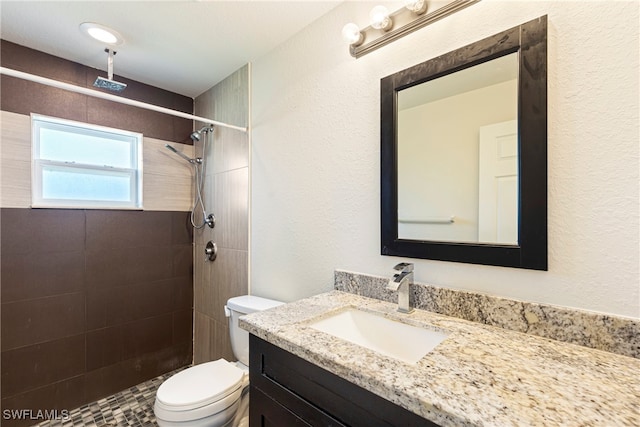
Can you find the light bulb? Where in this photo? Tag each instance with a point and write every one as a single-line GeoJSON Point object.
{"type": "Point", "coordinates": [101, 33]}
{"type": "Point", "coordinates": [416, 6]}
{"type": "Point", "coordinates": [379, 18]}
{"type": "Point", "coordinates": [351, 33]}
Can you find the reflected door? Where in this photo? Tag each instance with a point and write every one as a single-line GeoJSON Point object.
{"type": "Point", "coordinates": [498, 183]}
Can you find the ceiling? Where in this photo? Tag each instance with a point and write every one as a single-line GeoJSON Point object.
{"type": "Point", "coordinates": [479, 76]}
{"type": "Point", "coordinates": [182, 46]}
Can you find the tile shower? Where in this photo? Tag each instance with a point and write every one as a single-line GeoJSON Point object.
{"type": "Point", "coordinates": [93, 301]}
{"type": "Point", "coordinates": [119, 284]}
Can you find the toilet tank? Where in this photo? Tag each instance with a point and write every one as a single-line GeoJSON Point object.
{"type": "Point", "coordinates": [239, 306]}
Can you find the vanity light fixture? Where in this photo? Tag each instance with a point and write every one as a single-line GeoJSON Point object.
{"type": "Point", "coordinates": [385, 27]}
{"type": "Point", "coordinates": [101, 33]}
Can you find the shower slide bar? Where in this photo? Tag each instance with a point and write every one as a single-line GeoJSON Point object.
{"type": "Point", "coordinates": [449, 220]}
{"type": "Point", "coordinates": [114, 98]}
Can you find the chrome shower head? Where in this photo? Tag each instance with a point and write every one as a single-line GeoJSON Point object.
{"type": "Point", "coordinates": [197, 135]}
{"type": "Point", "coordinates": [109, 83]}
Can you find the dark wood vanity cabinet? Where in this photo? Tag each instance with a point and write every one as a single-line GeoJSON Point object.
{"type": "Point", "coordinates": [289, 391]}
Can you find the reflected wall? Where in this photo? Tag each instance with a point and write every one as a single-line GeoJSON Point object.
{"type": "Point", "coordinates": [439, 149]}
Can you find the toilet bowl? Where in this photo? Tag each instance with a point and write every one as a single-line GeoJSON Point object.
{"type": "Point", "coordinates": [213, 394]}
{"type": "Point", "coordinates": [203, 395]}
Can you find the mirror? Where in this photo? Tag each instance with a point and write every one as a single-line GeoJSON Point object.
{"type": "Point", "coordinates": [451, 149]}
{"type": "Point", "coordinates": [463, 153]}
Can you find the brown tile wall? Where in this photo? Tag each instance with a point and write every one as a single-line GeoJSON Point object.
{"type": "Point", "coordinates": [93, 302]}
{"type": "Point", "coordinates": [25, 97]}
{"type": "Point", "coordinates": [227, 189]}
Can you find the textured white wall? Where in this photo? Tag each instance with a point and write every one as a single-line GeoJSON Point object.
{"type": "Point", "coordinates": [315, 156]}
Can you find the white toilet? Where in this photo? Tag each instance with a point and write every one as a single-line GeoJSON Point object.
{"type": "Point", "coordinates": [213, 394]}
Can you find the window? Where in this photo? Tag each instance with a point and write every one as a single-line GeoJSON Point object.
{"type": "Point", "coordinates": [77, 165]}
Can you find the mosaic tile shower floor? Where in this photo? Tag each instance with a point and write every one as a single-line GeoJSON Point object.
{"type": "Point", "coordinates": [132, 408]}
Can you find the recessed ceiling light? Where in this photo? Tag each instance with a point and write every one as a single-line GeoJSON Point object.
{"type": "Point", "coordinates": [101, 33]}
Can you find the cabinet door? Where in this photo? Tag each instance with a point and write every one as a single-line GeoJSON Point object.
{"type": "Point", "coordinates": [315, 395]}
{"type": "Point", "coordinates": [266, 412]}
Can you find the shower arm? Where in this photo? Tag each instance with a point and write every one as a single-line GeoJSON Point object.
{"type": "Point", "coordinates": [110, 52]}
{"type": "Point", "coordinates": [114, 98]}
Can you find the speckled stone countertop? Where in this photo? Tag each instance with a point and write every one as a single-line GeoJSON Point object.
{"type": "Point", "coordinates": [479, 376]}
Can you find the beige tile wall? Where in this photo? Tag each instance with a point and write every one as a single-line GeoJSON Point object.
{"type": "Point", "coordinates": [166, 177]}
{"type": "Point", "coordinates": [15, 160]}
{"type": "Point", "coordinates": [167, 181]}
{"type": "Point", "coordinates": [227, 196]}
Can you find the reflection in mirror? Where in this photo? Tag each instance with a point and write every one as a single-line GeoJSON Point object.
{"type": "Point", "coordinates": [457, 155]}
{"type": "Point", "coordinates": [463, 153]}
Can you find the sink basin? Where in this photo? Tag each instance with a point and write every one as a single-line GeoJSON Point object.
{"type": "Point", "coordinates": [380, 334]}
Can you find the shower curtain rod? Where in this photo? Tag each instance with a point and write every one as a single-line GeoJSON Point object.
{"type": "Point", "coordinates": [114, 98]}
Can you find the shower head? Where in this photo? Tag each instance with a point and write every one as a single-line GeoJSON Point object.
{"type": "Point", "coordinates": [109, 83]}
{"type": "Point", "coordinates": [197, 135]}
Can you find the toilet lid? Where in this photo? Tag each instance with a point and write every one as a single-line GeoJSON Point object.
{"type": "Point", "coordinates": [200, 385]}
{"type": "Point", "coordinates": [247, 304]}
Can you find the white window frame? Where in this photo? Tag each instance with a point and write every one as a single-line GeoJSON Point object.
{"type": "Point", "coordinates": [39, 165]}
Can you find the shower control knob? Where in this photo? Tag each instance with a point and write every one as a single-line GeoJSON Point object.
{"type": "Point", "coordinates": [210, 251]}
{"type": "Point", "coordinates": [210, 220]}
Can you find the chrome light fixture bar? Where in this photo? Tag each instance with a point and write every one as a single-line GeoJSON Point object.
{"type": "Point", "coordinates": [397, 25]}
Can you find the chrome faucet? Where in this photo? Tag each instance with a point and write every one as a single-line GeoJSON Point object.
{"type": "Point", "coordinates": [401, 282]}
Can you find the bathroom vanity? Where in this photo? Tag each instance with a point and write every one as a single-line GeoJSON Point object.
{"type": "Point", "coordinates": [479, 375]}
{"type": "Point", "coordinates": [287, 390]}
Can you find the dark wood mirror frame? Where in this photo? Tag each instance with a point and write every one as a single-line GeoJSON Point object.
{"type": "Point", "coordinates": [530, 41]}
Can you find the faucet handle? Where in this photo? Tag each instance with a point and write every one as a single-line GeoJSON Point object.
{"type": "Point", "coordinates": [404, 267]}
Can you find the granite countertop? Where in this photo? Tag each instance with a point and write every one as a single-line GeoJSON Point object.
{"type": "Point", "coordinates": [479, 376]}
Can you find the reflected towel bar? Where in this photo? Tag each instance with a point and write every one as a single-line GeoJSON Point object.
{"type": "Point", "coordinates": [449, 220]}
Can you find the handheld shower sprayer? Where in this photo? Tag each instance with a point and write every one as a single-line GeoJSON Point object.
{"type": "Point", "coordinates": [182, 154]}
{"type": "Point", "coordinates": [199, 175]}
